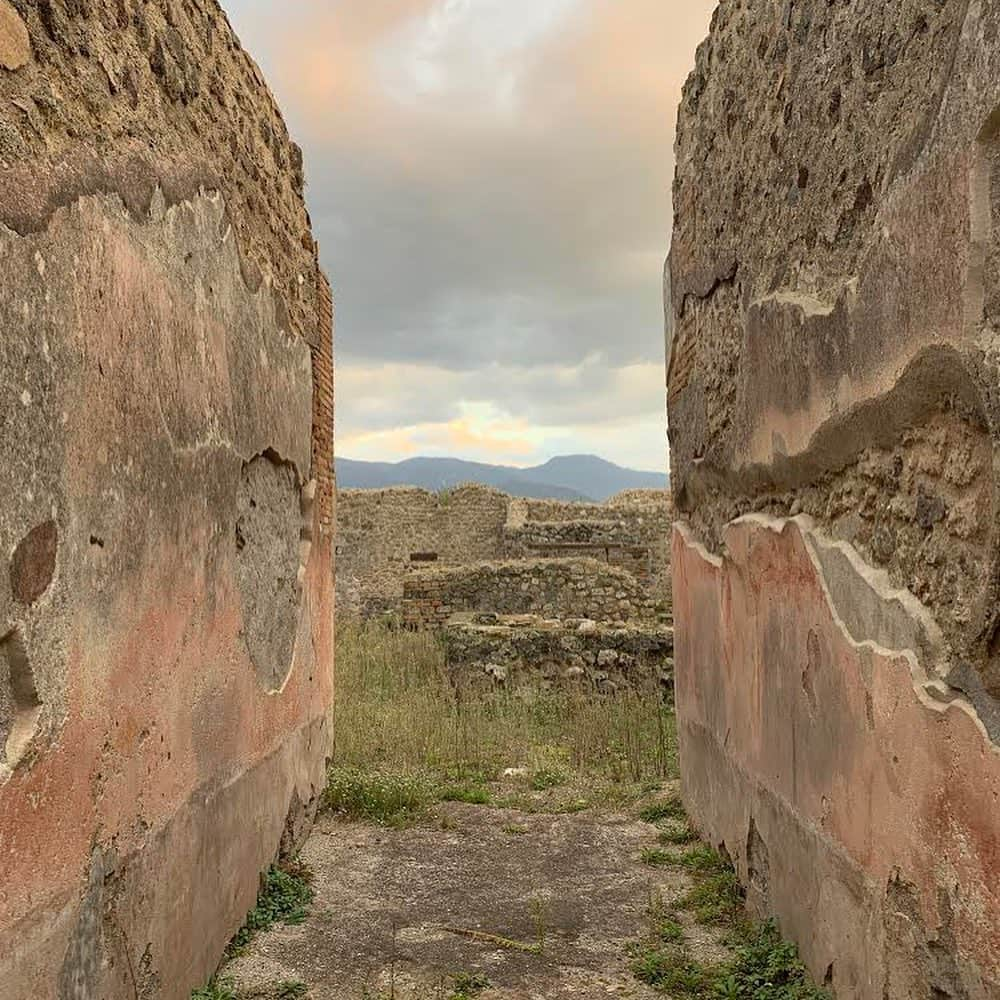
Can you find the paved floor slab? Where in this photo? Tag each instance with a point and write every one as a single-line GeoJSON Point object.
{"type": "Point", "coordinates": [541, 905]}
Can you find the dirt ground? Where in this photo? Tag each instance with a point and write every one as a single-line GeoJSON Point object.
{"type": "Point", "coordinates": [542, 906]}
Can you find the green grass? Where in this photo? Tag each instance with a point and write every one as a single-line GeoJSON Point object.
{"type": "Point", "coordinates": [404, 737]}
{"type": "Point", "coordinates": [704, 860]}
{"type": "Point", "coordinates": [469, 985]}
{"type": "Point", "coordinates": [656, 858]}
{"type": "Point", "coordinates": [670, 931]}
{"type": "Point", "coordinates": [547, 777]}
{"type": "Point", "coordinates": [217, 989]}
{"type": "Point", "coordinates": [386, 797]}
{"type": "Point", "coordinates": [717, 900]}
{"type": "Point", "coordinates": [671, 808]}
{"type": "Point", "coordinates": [284, 897]}
{"type": "Point", "coordinates": [678, 835]}
{"type": "Point", "coordinates": [474, 795]}
{"type": "Point", "coordinates": [670, 969]}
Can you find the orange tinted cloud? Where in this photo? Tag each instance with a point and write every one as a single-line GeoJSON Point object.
{"type": "Point", "coordinates": [490, 185]}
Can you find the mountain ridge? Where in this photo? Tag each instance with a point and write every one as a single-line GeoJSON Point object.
{"type": "Point", "coordinates": [565, 477]}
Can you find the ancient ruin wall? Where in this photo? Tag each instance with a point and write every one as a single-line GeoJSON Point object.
{"type": "Point", "coordinates": [384, 536]}
{"type": "Point", "coordinates": [834, 292]}
{"type": "Point", "coordinates": [527, 655]}
{"type": "Point", "coordinates": [555, 588]}
{"type": "Point", "coordinates": [631, 531]}
{"type": "Point", "coordinates": [166, 611]}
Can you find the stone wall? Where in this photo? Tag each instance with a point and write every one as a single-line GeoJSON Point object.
{"type": "Point", "coordinates": [832, 310]}
{"type": "Point", "coordinates": [386, 535]}
{"type": "Point", "coordinates": [528, 654]}
{"type": "Point", "coordinates": [166, 611]}
{"type": "Point", "coordinates": [631, 531]}
{"type": "Point", "coordinates": [563, 588]}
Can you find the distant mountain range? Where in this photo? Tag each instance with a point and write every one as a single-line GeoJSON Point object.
{"type": "Point", "coordinates": [570, 477]}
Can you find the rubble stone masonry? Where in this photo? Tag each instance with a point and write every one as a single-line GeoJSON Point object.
{"type": "Point", "coordinates": [834, 363]}
{"type": "Point", "coordinates": [556, 588]}
{"type": "Point", "coordinates": [525, 654]}
{"type": "Point", "coordinates": [166, 611]}
{"type": "Point", "coordinates": [385, 536]}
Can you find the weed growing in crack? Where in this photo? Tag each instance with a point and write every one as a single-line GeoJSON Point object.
{"type": "Point", "coordinates": [767, 967]}
{"type": "Point", "coordinates": [717, 899]}
{"type": "Point", "coordinates": [468, 985]}
{"type": "Point", "coordinates": [656, 858]}
{"type": "Point", "coordinates": [764, 966]}
{"type": "Point", "coordinates": [284, 898]}
{"type": "Point", "coordinates": [540, 918]}
{"type": "Point", "coordinates": [217, 989]}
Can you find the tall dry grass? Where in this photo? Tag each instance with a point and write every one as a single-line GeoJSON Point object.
{"type": "Point", "coordinates": [396, 713]}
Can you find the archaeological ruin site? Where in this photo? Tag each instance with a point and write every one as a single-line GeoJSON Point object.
{"type": "Point", "coordinates": [523, 590]}
{"type": "Point", "coordinates": [738, 740]}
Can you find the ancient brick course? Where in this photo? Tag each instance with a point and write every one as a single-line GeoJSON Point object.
{"type": "Point", "coordinates": [564, 588]}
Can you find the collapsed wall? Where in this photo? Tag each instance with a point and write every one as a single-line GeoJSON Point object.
{"type": "Point", "coordinates": [834, 295]}
{"type": "Point", "coordinates": [386, 536]}
{"type": "Point", "coordinates": [630, 530]}
{"type": "Point", "coordinates": [166, 610]}
{"type": "Point", "coordinates": [525, 654]}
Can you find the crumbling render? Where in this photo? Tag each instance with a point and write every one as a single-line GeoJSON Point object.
{"type": "Point", "coordinates": [834, 280]}
{"type": "Point", "coordinates": [166, 610]}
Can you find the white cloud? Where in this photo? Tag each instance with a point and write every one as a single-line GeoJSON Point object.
{"type": "Point", "coordinates": [490, 184]}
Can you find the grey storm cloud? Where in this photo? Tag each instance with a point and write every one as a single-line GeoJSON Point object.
{"type": "Point", "coordinates": [489, 182]}
{"type": "Point", "coordinates": [388, 396]}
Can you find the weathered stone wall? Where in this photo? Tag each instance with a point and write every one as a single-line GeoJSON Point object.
{"type": "Point", "coordinates": [528, 654]}
{"type": "Point", "coordinates": [564, 588]}
{"type": "Point", "coordinates": [386, 535]}
{"type": "Point", "coordinates": [631, 531]}
{"type": "Point", "coordinates": [166, 612]}
{"type": "Point", "coordinates": [833, 368]}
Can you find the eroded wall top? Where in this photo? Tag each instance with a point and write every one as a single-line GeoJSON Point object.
{"type": "Point", "coordinates": [385, 535]}
{"type": "Point", "coordinates": [834, 356]}
{"type": "Point", "coordinates": [834, 301]}
{"type": "Point", "coordinates": [123, 96]}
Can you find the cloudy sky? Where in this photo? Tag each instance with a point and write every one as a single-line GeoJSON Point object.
{"type": "Point", "coordinates": [490, 184]}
